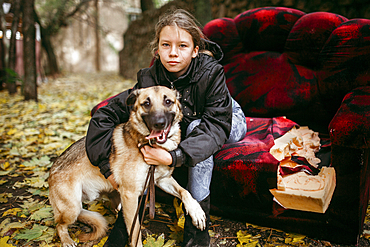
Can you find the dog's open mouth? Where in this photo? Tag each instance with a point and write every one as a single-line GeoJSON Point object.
{"type": "Point", "coordinates": [159, 135]}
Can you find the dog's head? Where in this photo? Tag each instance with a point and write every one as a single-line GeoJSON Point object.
{"type": "Point", "coordinates": [155, 110]}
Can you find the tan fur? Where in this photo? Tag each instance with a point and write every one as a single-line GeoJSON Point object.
{"type": "Point", "coordinates": [73, 179]}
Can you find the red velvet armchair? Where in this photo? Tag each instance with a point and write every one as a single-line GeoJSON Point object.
{"type": "Point", "coordinates": [315, 70]}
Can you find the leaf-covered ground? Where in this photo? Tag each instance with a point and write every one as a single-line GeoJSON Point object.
{"type": "Point", "coordinates": [33, 134]}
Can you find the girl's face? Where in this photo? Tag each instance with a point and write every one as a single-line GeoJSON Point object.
{"type": "Point", "coordinates": [176, 49]}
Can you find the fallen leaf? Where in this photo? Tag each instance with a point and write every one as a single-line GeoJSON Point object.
{"type": "Point", "coordinates": [246, 239]}
{"type": "Point", "coordinates": [42, 213]}
{"type": "Point", "coordinates": [294, 238]}
{"type": "Point", "coordinates": [11, 225]}
{"type": "Point", "coordinates": [4, 242]}
{"type": "Point", "coordinates": [4, 197]}
{"type": "Point", "coordinates": [31, 234]}
{"type": "Point", "coordinates": [98, 207]}
{"type": "Point", "coordinates": [3, 181]}
{"type": "Point", "coordinates": [12, 211]}
{"type": "Point", "coordinates": [102, 242]}
{"type": "Point", "coordinates": [150, 241]}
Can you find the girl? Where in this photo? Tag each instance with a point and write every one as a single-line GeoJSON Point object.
{"type": "Point", "coordinates": [189, 63]}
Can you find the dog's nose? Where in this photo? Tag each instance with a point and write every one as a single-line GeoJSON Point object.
{"type": "Point", "coordinates": [160, 123]}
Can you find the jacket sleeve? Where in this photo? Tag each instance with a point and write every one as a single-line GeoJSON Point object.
{"type": "Point", "coordinates": [100, 131]}
{"type": "Point", "coordinates": [214, 129]}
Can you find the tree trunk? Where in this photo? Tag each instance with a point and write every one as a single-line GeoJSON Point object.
{"type": "Point", "coordinates": [29, 51]}
{"type": "Point", "coordinates": [146, 5]}
{"type": "Point", "coordinates": [52, 66]}
{"type": "Point", "coordinates": [97, 37]}
{"type": "Point", "coordinates": [12, 86]}
{"type": "Point", "coordinates": [2, 47]}
{"type": "Point", "coordinates": [203, 11]}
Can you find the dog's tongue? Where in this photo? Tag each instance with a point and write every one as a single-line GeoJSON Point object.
{"type": "Point", "coordinates": [159, 135]}
{"type": "Point", "coordinates": [155, 134]}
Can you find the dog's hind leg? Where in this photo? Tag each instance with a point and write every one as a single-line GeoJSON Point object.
{"type": "Point", "coordinates": [63, 220]}
{"type": "Point", "coordinates": [192, 207]}
{"type": "Point", "coordinates": [129, 206]}
{"type": "Point", "coordinates": [66, 210]}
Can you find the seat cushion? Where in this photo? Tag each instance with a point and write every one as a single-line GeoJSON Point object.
{"type": "Point", "coordinates": [246, 168]}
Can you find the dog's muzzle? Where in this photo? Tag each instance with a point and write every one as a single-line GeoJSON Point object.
{"type": "Point", "coordinates": [159, 126]}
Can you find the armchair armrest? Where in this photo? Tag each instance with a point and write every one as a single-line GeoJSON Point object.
{"type": "Point", "coordinates": [350, 156]}
{"type": "Point", "coordinates": [350, 126]}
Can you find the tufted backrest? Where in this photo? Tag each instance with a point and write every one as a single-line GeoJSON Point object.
{"type": "Point", "coordinates": [283, 62]}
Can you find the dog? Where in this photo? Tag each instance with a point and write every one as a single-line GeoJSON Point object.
{"type": "Point", "coordinates": [155, 116]}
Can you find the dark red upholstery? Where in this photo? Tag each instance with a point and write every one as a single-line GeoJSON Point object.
{"type": "Point", "coordinates": [315, 70]}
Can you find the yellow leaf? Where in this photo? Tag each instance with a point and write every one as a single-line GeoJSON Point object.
{"type": "Point", "coordinates": [179, 213]}
{"type": "Point", "coordinates": [247, 240]}
{"type": "Point", "coordinates": [243, 236]}
{"type": "Point", "coordinates": [49, 132]}
{"type": "Point", "coordinates": [102, 242]}
{"type": "Point", "coordinates": [12, 211]}
{"type": "Point", "coordinates": [98, 207]}
{"type": "Point", "coordinates": [5, 165]}
{"type": "Point", "coordinates": [12, 131]}
{"type": "Point", "coordinates": [12, 225]}
{"type": "Point", "coordinates": [181, 221]}
{"type": "Point", "coordinates": [4, 223]}
{"type": "Point", "coordinates": [170, 243]}
{"type": "Point", "coordinates": [42, 107]}
{"type": "Point", "coordinates": [294, 238]}
{"type": "Point", "coordinates": [4, 196]}
{"type": "Point", "coordinates": [4, 242]}
{"type": "Point", "coordinates": [178, 207]}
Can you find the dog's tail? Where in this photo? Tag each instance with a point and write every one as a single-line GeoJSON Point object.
{"type": "Point", "coordinates": [96, 221]}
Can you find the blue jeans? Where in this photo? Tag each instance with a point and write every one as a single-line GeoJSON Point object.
{"type": "Point", "coordinates": [200, 175]}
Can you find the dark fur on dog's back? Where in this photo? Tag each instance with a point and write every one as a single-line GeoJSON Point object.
{"type": "Point", "coordinates": [68, 156]}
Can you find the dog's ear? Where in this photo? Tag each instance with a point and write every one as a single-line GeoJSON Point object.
{"type": "Point", "coordinates": [178, 95]}
{"type": "Point", "coordinates": [132, 97]}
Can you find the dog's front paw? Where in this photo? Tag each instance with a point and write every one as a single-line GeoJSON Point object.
{"type": "Point", "coordinates": [70, 243]}
{"type": "Point", "coordinates": [198, 216]}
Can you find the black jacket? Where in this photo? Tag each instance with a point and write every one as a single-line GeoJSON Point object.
{"type": "Point", "coordinates": [204, 96]}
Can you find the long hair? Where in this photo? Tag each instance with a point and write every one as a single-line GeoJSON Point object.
{"type": "Point", "coordinates": [182, 19]}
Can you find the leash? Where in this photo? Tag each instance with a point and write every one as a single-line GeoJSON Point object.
{"type": "Point", "coordinates": [150, 193]}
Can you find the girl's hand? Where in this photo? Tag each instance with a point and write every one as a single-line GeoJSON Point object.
{"type": "Point", "coordinates": [156, 155]}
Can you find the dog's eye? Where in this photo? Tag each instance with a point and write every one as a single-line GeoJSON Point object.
{"type": "Point", "coordinates": [168, 102]}
{"type": "Point", "coordinates": [146, 103]}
